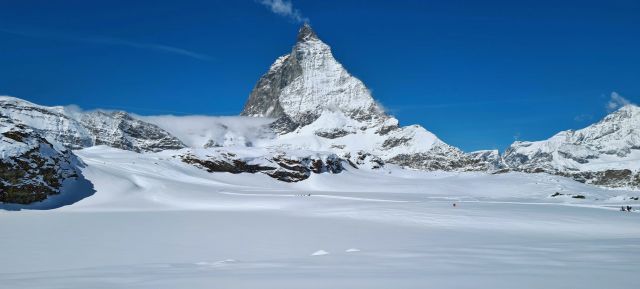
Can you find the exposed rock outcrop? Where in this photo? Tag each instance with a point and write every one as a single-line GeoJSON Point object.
{"type": "Point", "coordinates": [280, 166]}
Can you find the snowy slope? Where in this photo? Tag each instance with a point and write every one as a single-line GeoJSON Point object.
{"type": "Point", "coordinates": [606, 153]}
{"type": "Point", "coordinates": [165, 175]}
{"type": "Point", "coordinates": [157, 222]}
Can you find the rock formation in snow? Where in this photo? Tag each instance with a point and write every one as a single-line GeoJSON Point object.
{"type": "Point", "coordinates": [287, 167]}
{"type": "Point", "coordinates": [31, 168]}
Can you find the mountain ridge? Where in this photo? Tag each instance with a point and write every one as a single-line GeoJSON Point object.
{"type": "Point", "coordinates": [604, 153]}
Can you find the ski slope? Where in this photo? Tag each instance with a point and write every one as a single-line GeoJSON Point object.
{"type": "Point", "coordinates": [155, 222]}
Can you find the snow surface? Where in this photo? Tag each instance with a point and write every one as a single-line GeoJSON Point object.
{"type": "Point", "coordinates": [155, 222]}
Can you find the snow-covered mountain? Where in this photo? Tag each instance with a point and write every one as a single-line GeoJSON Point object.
{"type": "Point", "coordinates": [37, 143]}
{"type": "Point", "coordinates": [606, 153]}
{"type": "Point", "coordinates": [74, 129]}
{"type": "Point", "coordinates": [319, 106]}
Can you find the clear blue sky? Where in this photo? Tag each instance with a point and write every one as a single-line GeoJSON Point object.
{"type": "Point", "coordinates": [477, 73]}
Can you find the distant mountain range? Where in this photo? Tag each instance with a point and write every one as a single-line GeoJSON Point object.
{"type": "Point", "coordinates": [306, 115]}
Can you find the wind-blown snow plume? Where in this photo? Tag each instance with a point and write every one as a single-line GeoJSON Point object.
{"type": "Point", "coordinates": [284, 8]}
{"type": "Point", "coordinates": [616, 101]}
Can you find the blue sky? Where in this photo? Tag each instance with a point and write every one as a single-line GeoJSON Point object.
{"type": "Point", "coordinates": [479, 74]}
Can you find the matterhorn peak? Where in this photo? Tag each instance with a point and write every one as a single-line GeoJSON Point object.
{"type": "Point", "coordinates": [307, 82]}
{"type": "Point", "coordinates": [306, 33]}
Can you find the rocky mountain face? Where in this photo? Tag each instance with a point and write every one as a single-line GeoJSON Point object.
{"type": "Point", "coordinates": [75, 130]}
{"type": "Point", "coordinates": [318, 105]}
{"type": "Point", "coordinates": [606, 153]}
{"type": "Point", "coordinates": [31, 168]}
{"type": "Point", "coordinates": [120, 130]}
{"type": "Point", "coordinates": [302, 85]}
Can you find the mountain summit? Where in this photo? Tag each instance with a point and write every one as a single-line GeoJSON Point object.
{"type": "Point", "coordinates": [303, 84]}
{"type": "Point", "coordinates": [306, 32]}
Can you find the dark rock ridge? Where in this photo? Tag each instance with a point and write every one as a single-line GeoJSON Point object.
{"type": "Point", "coordinates": [279, 166]}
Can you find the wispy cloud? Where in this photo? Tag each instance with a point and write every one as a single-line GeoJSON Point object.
{"type": "Point", "coordinates": [516, 136]}
{"type": "Point", "coordinates": [583, 117]}
{"type": "Point", "coordinates": [150, 46]}
{"type": "Point", "coordinates": [616, 101]}
{"type": "Point", "coordinates": [56, 35]}
{"type": "Point", "coordinates": [284, 8]}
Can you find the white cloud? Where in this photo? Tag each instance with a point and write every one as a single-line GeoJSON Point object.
{"type": "Point", "coordinates": [284, 8]}
{"type": "Point", "coordinates": [616, 101]}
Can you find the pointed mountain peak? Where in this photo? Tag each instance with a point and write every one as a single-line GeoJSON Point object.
{"type": "Point", "coordinates": [309, 82]}
{"type": "Point", "coordinates": [306, 32]}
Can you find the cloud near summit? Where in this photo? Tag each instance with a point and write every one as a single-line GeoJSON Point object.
{"type": "Point", "coordinates": [284, 8]}
{"type": "Point", "coordinates": [616, 101]}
